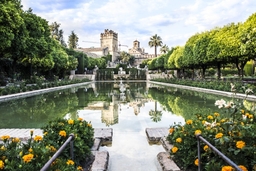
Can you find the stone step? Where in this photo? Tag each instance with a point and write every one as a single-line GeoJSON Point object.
{"type": "Point", "coordinates": [156, 135]}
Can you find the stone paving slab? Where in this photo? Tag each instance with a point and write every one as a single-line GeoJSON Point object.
{"type": "Point", "coordinates": [105, 134]}
{"type": "Point", "coordinates": [155, 134]}
{"type": "Point", "coordinates": [165, 143]}
{"type": "Point", "coordinates": [166, 163]}
{"type": "Point", "coordinates": [101, 161]}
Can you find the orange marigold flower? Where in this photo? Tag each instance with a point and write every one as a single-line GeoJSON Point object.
{"type": "Point", "coordinates": [80, 119]}
{"type": "Point", "coordinates": [227, 168]}
{"type": "Point", "coordinates": [70, 162]}
{"type": "Point", "coordinates": [243, 168]}
{"type": "Point", "coordinates": [174, 149]}
{"type": "Point", "coordinates": [79, 168]}
{"type": "Point", "coordinates": [63, 133]}
{"type": "Point", "coordinates": [53, 149]}
{"type": "Point", "coordinates": [219, 135]}
{"type": "Point", "coordinates": [206, 147]}
{"type": "Point", "coordinates": [189, 122]}
{"type": "Point", "coordinates": [16, 140]}
{"type": "Point", "coordinates": [216, 114]}
{"type": "Point", "coordinates": [198, 132]}
{"type": "Point", "coordinates": [250, 116]}
{"type": "Point", "coordinates": [178, 140]}
{"type": "Point", "coordinates": [196, 162]}
{"type": "Point", "coordinates": [27, 158]}
{"type": "Point", "coordinates": [38, 138]}
{"type": "Point", "coordinates": [240, 144]}
{"type": "Point", "coordinates": [171, 130]}
{"type": "Point", "coordinates": [1, 164]}
{"type": "Point", "coordinates": [70, 122]}
{"type": "Point", "coordinates": [210, 117]}
{"type": "Point", "coordinates": [5, 137]}
{"type": "Point", "coordinates": [89, 125]}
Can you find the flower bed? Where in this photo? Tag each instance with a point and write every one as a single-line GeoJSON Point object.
{"type": "Point", "coordinates": [32, 155]}
{"type": "Point", "coordinates": [232, 132]}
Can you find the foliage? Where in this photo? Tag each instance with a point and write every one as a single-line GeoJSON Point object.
{"type": "Point", "coordinates": [231, 131]}
{"type": "Point", "coordinates": [32, 155]}
{"type": "Point", "coordinates": [73, 40]}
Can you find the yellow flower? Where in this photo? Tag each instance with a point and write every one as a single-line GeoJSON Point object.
{"type": "Point", "coordinates": [174, 149]}
{"type": "Point", "coordinates": [216, 114]}
{"type": "Point", "coordinates": [27, 158]}
{"type": "Point", "coordinates": [1, 164]}
{"type": "Point", "coordinates": [30, 150]}
{"type": "Point", "coordinates": [16, 140]}
{"type": "Point", "coordinates": [3, 148]}
{"type": "Point", "coordinates": [189, 122]}
{"type": "Point", "coordinates": [79, 168]}
{"type": "Point", "coordinates": [203, 122]}
{"type": "Point", "coordinates": [196, 162]}
{"type": "Point", "coordinates": [250, 116]}
{"type": "Point", "coordinates": [171, 130]}
{"type": "Point", "coordinates": [210, 117]}
{"type": "Point", "coordinates": [63, 133]}
{"type": "Point", "coordinates": [198, 132]}
{"type": "Point", "coordinates": [53, 149]}
{"type": "Point", "coordinates": [240, 144]}
{"type": "Point", "coordinates": [206, 147]}
{"type": "Point", "coordinates": [242, 111]}
{"type": "Point", "coordinates": [178, 140]}
{"type": "Point", "coordinates": [227, 168]}
{"type": "Point", "coordinates": [89, 125]}
{"type": "Point", "coordinates": [70, 162]}
{"type": "Point", "coordinates": [70, 122]}
{"type": "Point", "coordinates": [5, 137]}
{"type": "Point", "coordinates": [222, 120]}
{"type": "Point", "coordinates": [38, 138]}
{"type": "Point", "coordinates": [80, 119]}
{"type": "Point", "coordinates": [219, 135]}
{"type": "Point", "coordinates": [243, 168]}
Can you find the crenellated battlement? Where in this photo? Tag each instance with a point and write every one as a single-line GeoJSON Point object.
{"type": "Point", "coordinates": [109, 33]}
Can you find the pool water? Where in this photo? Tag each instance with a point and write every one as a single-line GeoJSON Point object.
{"type": "Point", "coordinates": [128, 108]}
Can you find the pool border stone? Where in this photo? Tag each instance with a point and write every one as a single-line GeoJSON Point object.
{"type": "Point", "coordinates": [156, 135]}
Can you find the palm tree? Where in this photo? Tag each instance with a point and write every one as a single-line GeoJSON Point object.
{"type": "Point", "coordinates": [155, 41]}
{"type": "Point", "coordinates": [164, 49]}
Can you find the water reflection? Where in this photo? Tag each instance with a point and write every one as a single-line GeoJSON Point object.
{"type": "Point", "coordinates": [109, 100]}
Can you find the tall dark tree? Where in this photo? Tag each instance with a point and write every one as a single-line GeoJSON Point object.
{"type": "Point", "coordinates": [155, 41]}
{"type": "Point", "coordinates": [72, 40]}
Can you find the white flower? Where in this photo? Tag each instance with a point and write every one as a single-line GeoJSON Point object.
{"type": "Point", "coordinates": [210, 124]}
{"type": "Point", "coordinates": [230, 105]}
{"type": "Point", "coordinates": [248, 91]}
{"type": "Point", "coordinates": [220, 103]}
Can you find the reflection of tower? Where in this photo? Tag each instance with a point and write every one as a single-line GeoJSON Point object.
{"type": "Point", "coordinates": [110, 115]}
{"type": "Point", "coordinates": [110, 39]}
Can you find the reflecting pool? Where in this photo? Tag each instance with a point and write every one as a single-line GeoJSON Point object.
{"type": "Point", "coordinates": [127, 107]}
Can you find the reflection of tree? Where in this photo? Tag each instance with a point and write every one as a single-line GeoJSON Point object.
{"type": "Point", "coordinates": [155, 115]}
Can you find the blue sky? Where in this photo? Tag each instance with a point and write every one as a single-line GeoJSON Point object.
{"type": "Point", "coordinates": [173, 21]}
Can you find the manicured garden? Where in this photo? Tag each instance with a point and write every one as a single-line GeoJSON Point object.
{"type": "Point", "coordinates": [232, 132]}
{"type": "Point", "coordinates": [33, 154]}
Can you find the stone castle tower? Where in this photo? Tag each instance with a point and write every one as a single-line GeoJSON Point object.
{"type": "Point", "coordinates": [110, 39]}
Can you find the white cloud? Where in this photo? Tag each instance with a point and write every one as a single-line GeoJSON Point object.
{"type": "Point", "coordinates": [174, 21]}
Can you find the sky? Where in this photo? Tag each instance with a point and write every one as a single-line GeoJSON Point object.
{"type": "Point", "coordinates": [173, 21]}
